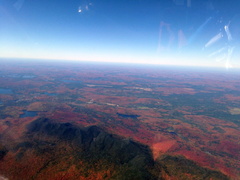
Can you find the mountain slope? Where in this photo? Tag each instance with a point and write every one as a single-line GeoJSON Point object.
{"type": "Point", "coordinates": [53, 150]}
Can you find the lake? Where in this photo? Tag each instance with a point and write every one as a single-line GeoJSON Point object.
{"type": "Point", "coordinates": [5, 91]}
{"type": "Point", "coordinates": [28, 114]}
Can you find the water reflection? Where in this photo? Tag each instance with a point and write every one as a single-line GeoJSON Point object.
{"type": "Point", "coordinates": [5, 91]}
{"type": "Point", "coordinates": [50, 94]}
{"type": "Point", "coordinates": [28, 114]}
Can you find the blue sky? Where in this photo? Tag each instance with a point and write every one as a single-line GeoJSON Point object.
{"type": "Point", "coordinates": [177, 32]}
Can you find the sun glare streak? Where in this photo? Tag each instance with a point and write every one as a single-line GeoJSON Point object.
{"type": "Point", "coordinates": [217, 52]}
{"type": "Point", "coordinates": [84, 7]}
{"type": "Point", "coordinates": [214, 39]}
{"type": "Point", "coordinates": [229, 35]}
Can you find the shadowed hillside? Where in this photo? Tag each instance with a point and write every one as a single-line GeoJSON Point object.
{"type": "Point", "coordinates": [51, 150]}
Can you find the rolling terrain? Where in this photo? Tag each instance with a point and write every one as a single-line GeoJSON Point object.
{"type": "Point", "coordinates": [106, 121]}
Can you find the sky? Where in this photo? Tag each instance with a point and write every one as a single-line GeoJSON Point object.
{"type": "Point", "coordinates": [172, 32]}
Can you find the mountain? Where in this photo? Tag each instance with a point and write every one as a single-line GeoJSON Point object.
{"type": "Point", "coordinates": [53, 150]}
